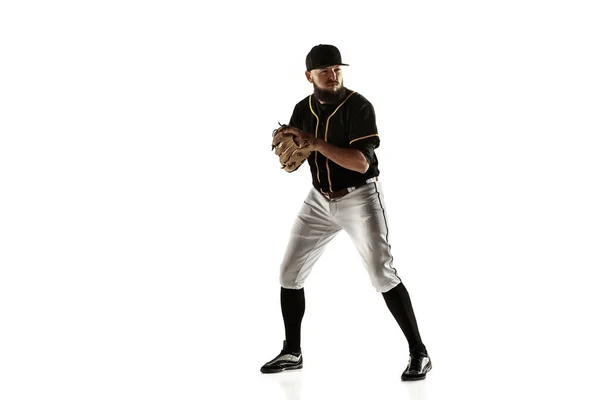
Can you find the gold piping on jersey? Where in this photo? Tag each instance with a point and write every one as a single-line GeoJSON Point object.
{"type": "Point", "coordinates": [326, 131]}
{"type": "Point", "coordinates": [316, 133]}
{"type": "Point", "coordinates": [364, 137]}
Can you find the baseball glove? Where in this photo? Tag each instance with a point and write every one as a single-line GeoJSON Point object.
{"type": "Point", "coordinates": [291, 155]}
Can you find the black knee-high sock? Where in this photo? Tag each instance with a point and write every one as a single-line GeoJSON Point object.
{"type": "Point", "coordinates": [292, 308]}
{"type": "Point", "coordinates": [398, 301]}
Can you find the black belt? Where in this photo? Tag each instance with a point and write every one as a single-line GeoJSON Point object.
{"type": "Point", "coordinates": [342, 192]}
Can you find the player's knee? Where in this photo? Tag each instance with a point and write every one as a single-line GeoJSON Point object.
{"type": "Point", "coordinates": [386, 286]}
{"type": "Point", "coordinates": [289, 280]}
{"type": "Point", "coordinates": [377, 274]}
{"type": "Point", "coordinates": [289, 284]}
{"type": "Point", "coordinates": [382, 280]}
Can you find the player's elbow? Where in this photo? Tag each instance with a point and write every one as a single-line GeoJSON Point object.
{"type": "Point", "coordinates": [364, 167]}
{"type": "Point", "coordinates": [361, 164]}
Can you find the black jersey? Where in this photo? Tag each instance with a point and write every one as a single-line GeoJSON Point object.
{"type": "Point", "coordinates": [347, 124]}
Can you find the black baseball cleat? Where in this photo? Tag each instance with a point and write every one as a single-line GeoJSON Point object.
{"type": "Point", "coordinates": [286, 360]}
{"type": "Point", "coordinates": [419, 365]}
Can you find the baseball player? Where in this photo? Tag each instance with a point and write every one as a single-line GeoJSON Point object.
{"type": "Point", "coordinates": [339, 125]}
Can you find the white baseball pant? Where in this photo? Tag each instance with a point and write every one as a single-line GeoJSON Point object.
{"type": "Point", "coordinates": [361, 213]}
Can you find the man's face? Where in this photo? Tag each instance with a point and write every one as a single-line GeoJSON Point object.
{"type": "Point", "coordinates": [328, 79]}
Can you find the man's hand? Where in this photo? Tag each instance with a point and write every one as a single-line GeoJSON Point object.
{"type": "Point", "coordinates": [301, 138]}
{"type": "Point", "coordinates": [291, 154]}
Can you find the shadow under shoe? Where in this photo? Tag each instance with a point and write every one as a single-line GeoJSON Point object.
{"type": "Point", "coordinates": [286, 360]}
{"type": "Point", "coordinates": [419, 364]}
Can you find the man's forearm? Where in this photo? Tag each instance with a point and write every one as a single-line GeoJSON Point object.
{"type": "Point", "coordinates": [348, 158]}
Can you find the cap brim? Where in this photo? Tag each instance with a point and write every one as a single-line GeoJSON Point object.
{"type": "Point", "coordinates": [328, 65]}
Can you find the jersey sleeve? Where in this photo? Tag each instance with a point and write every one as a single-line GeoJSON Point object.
{"type": "Point", "coordinates": [363, 132]}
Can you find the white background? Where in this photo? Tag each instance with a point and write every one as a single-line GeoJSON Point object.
{"type": "Point", "coordinates": [143, 215]}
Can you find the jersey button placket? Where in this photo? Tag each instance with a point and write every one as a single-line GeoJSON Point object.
{"type": "Point", "coordinates": [324, 168]}
{"type": "Point", "coordinates": [321, 131]}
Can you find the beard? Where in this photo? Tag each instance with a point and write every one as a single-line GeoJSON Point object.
{"type": "Point", "coordinates": [329, 96]}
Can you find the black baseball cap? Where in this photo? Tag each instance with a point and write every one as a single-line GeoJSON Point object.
{"type": "Point", "coordinates": [323, 56]}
